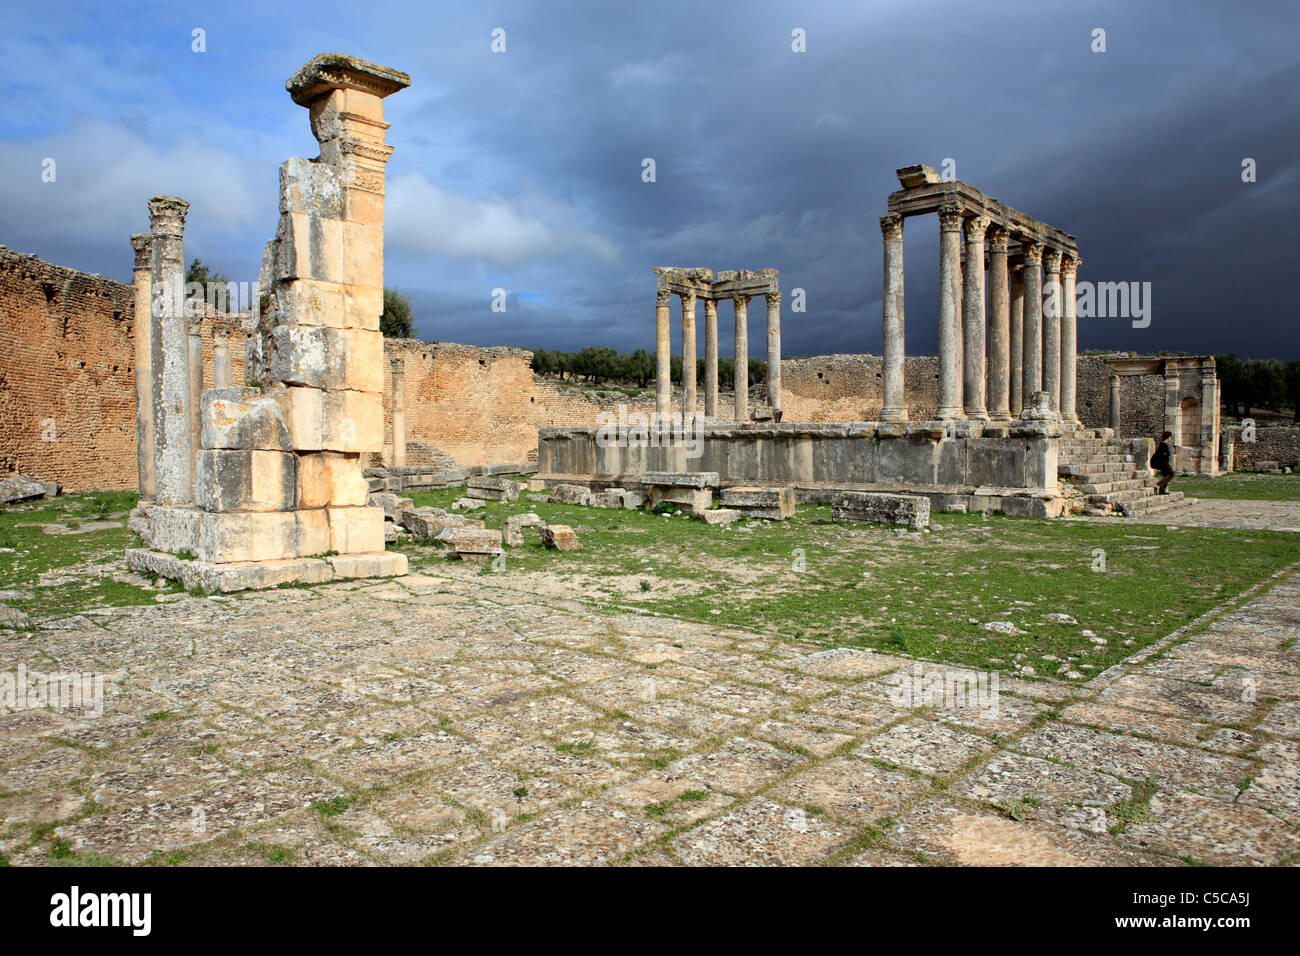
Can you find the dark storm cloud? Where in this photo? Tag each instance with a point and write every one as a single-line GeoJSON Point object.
{"type": "Point", "coordinates": [522, 170]}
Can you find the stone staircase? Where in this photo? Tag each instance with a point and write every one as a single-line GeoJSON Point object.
{"type": "Point", "coordinates": [1107, 477]}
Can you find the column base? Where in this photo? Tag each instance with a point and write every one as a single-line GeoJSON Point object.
{"type": "Point", "coordinates": [977, 415]}
{"type": "Point", "coordinates": [950, 412]}
{"type": "Point", "coordinates": [893, 414]}
{"type": "Point", "coordinates": [1000, 416]}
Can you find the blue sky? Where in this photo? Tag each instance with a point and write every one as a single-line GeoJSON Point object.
{"type": "Point", "coordinates": [522, 170]}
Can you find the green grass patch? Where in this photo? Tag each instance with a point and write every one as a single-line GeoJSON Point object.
{"type": "Point", "coordinates": [924, 595]}
{"type": "Point", "coordinates": [1242, 486]}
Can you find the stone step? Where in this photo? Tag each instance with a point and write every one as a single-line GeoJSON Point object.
{"type": "Point", "coordinates": [1122, 484]}
{"type": "Point", "coordinates": [1156, 503]}
{"type": "Point", "coordinates": [1120, 497]}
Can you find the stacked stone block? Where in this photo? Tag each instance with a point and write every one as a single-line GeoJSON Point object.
{"type": "Point", "coordinates": [277, 472]}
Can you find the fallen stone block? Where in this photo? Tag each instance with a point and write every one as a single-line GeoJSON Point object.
{"type": "Point", "coordinates": [694, 501]}
{"type": "Point", "coordinates": [560, 537]}
{"type": "Point", "coordinates": [467, 504]}
{"type": "Point", "coordinates": [720, 515]}
{"type": "Point", "coordinates": [571, 494]}
{"type": "Point", "coordinates": [392, 504]}
{"type": "Point", "coordinates": [633, 500]}
{"type": "Point", "coordinates": [611, 498]}
{"type": "Point", "coordinates": [492, 488]}
{"type": "Point", "coordinates": [390, 531]}
{"type": "Point", "coordinates": [682, 479]}
{"type": "Point", "coordinates": [21, 488]}
{"type": "Point", "coordinates": [426, 523]}
{"type": "Point", "coordinates": [912, 511]}
{"type": "Point", "coordinates": [471, 543]}
{"type": "Point", "coordinates": [775, 504]}
{"type": "Point", "coordinates": [513, 535]}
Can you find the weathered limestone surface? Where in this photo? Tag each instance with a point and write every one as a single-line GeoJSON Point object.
{"type": "Point", "coordinates": [275, 470]}
{"type": "Point", "coordinates": [912, 511]}
{"type": "Point", "coordinates": [492, 488]}
{"type": "Point", "coordinates": [560, 537]}
{"type": "Point", "coordinates": [775, 504]}
{"type": "Point", "coordinates": [567, 494]}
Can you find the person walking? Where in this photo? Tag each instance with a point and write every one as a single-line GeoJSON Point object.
{"type": "Point", "coordinates": [1162, 461]}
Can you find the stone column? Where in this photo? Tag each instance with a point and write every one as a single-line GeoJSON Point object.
{"type": "Point", "coordinates": [1052, 328]}
{"type": "Point", "coordinates": [142, 243]}
{"type": "Point", "coordinates": [893, 352]}
{"type": "Point", "coordinates": [220, 357]}
{"type": "Point", "coordinates": [194, 357]}
{"type": "Point", "coordinates": [973, 320]}
{"type": "Point", "coordinates": [172, 435]}
{"type": "Point", "coordinates": [741, 304]}
{"type": "Point", "coordinates": [397, 370]}
{"type": "Point", "coordinates": [774, 352]}
{"type": "Point", "coordinates": [710, 358]}
{"type": "Point", "coordinates": [688, 357]}
{"type": "Point", "coordinates": [999, 327]}
{"type": "Point", "coordinates": [1114, 404]}
{"type": "Point", "coordinates": [1015, 373]}
{"type": "Point", "coordinates": [663, 355]}
{"type": "Point", "coordinates": [1069, 341]}
{"type": "Point", "coordinates": [950, 375]}
{"type": "Point", "coordinates": [1032, 355]}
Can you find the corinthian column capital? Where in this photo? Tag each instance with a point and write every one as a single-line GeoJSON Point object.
{"type": "Point", "coordinates": [996, 238]}
{"type": "Point", "coordinates": [949, 217]}
{"type": "Point", "coordinates": [1052, 260]}
{"type": "Point", "coordinates": [976, 226]}
{"type": "Point", "coordinates": [891, 226]}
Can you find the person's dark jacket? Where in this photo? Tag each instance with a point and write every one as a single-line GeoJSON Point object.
{"type": "Point", "coordinates": [1160, 460]}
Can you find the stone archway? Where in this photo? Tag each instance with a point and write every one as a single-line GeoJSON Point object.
{"type": "Point", "coordinates": [1188, 438]}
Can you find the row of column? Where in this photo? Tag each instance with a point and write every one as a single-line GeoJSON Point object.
{"type": "Point", "coordinates": [1027, 349]}
{"type": "Point", "coordinates": [168, 359]}
{"type": "Point", "coordinates": [663, 354]}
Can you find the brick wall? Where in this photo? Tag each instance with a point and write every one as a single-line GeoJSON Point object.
{"type": "Point", "coordinates": [67, 372]}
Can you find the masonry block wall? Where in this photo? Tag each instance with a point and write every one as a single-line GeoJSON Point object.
{"type": "Point", "coordinates": [1276, 443]}
{"type": "Point", "coordinates": [67, 374]}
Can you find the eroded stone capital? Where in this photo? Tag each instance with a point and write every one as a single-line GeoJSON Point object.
{"type": "Point", "coordinates": [142, 243]}
{"type": "Point", "coordinates": [773, 300]}
{"type": "Point", "coordinates": [1070, 265]}
{"type": "Point", "coordinates": [949, 217]}
{"type": "Point", "coordinates": [1033, 252]}
{"type": "Point", "coordinates": [996, 238]}
{"type": "Point", "coordinates": [167, 215]}
{"type": "Point", "coordinates": [663, 298]}
{"type": "Point", "coordinates": [891, 227]}
{"type": "Point", "coordinates": [976, 226]}
{"type": "Point", "coordinates": [337, 71]}
{"type": "Point", "coordinates": [1052, 261]}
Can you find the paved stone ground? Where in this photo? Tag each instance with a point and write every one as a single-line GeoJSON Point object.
{"type": "Point", "coordinates": [1230, 513]}
{"type": "Point", "coordinates": [445, 719]}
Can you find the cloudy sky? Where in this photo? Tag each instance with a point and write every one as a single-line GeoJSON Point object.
{"type": "Point", "coordinates": [522, 170]}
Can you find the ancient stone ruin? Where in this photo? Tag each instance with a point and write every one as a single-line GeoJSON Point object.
{"type": "Point", "coordinates": [261, 484]}
{"type": "Point", "coordinates": [738, 286]}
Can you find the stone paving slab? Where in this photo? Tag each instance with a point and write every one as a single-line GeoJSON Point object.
{"type": "Point", "coordinates": [431, 720]}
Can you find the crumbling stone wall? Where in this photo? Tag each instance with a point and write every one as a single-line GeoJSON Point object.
{"type": "Point", "coordinates": [1141, 399]}
{"type": "Point", "coordinates": [1272, 443]}
{"type": "Point", "coordinates": [849, 388]}
{"type": "Point", "coordinates": [484, 405]}
{"type": "Point", "coordinates": [67, 360]}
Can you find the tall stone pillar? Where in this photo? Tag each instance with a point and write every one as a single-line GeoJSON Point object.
{"type": "Point", "coordinates": [973, 320]}
{"type": "Point", "coordinates": [142, 328]}
{"type": "Point", "coordinates": [1052, 328]}
{"type": "Point", "coordinates": [741, 305]}
{"type": "Point", "coordinates": [774, 352]}
{"type": "Point", "coordinates": [1069, 341]}
{"type": "Point", "coordinates": [172, 430]}
{"type": "Point", "coordinates": [950, 288]}
{"type": "Point", "coordinates": [194, 361]}
{"type": "Point", "coordinates": [710, 358]}
{"type": "Point", "coordinates": [999, 327]}
{"type": "Point", "coordinates": [220, 357]}
{"type": "Point", "coordinates": [688, 357]}
{"type": "Point", "coordinates": [1017, 336]}
{"type": "Point", "coordinates": [1032, 354]}
{"type": "Point", "coordinates": [397, 372]}
{"type": "Point", "coordinates": [663, 355]}
{"type": "Point", "coordinates": [1114, 404]}
{"type": "Point", "coordinates": [893, 352]}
